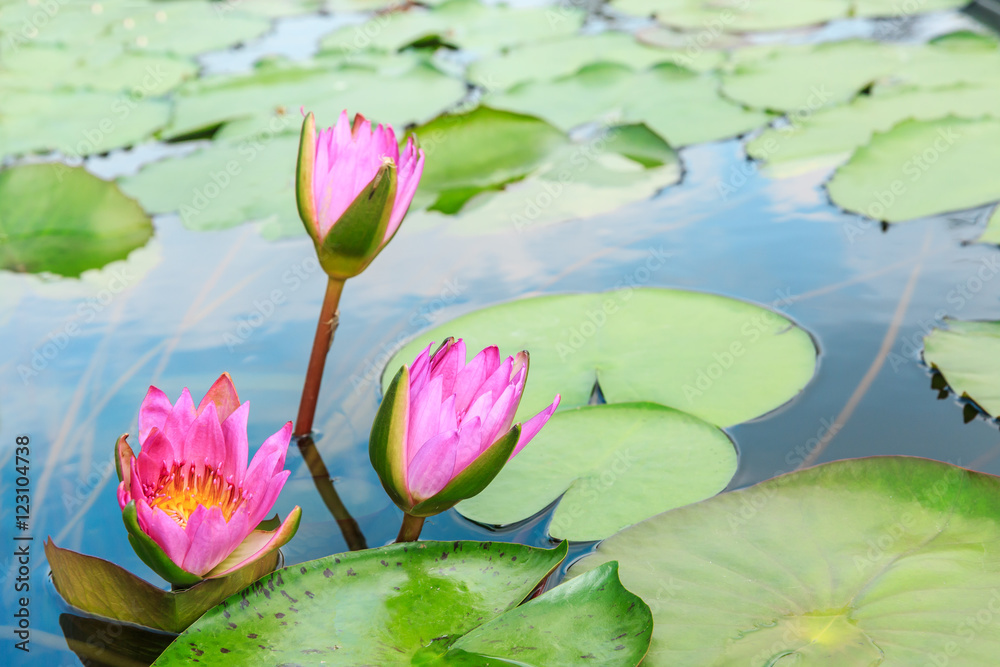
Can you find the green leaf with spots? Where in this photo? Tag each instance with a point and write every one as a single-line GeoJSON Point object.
{"type": "Point", "coordinates": [682, 106]}
{"type": "Point", "coordinates": [921, 168]}
{"type": "Point", "coordinates": [720, 359]}
{"type": "Point", "coordinates": [968, 356]}
{"type": "Point", "coordinates": [888, 561]}
{"type": "Point", "coordinates": [377, 607]}
{"type": "Point", "coordinates": [64, 220]}
{"type": "Point", "coordinates": [591, 460]}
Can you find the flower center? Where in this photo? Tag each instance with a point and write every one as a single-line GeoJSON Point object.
{"type": "Point", "coordinates": [181, 489]}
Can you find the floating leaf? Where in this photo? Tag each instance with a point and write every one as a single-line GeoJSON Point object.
{"type": "Point", "coordinates": [887, 8]}
{"type": "Point", "coordinates": [921, 168]}
{"type": "Point", "coordinates": [713, 16]}
{"type": "Point", "coordinates": [829, 136]}
{"type": "Point", "coordinates": [377, 607]}
{"type": "Point", "coordinates": [722, 360]}
{"type": "Point", "coordinates": [592, 460]}
{"type": "Point", "coordinates": [804, 78]}
{"type": "Point", "coordinates": [954, 58]}
{"type": "Point", "coordinates": [681, 106]}
{"type": "Point", "coordinates": [880, 561]}
{"type": "Point", "coordinates": [464, 24]}
{"type": "Point", "coordinates": [968, 356]}
{"type": "Point", "coordinates": [99, 587]}
{"type": "Point", "coordinates": [992, 232]}
{"type": "Point", "coordinates": [65, 220]}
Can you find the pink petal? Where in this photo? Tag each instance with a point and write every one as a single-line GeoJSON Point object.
{"type": "Point", "coordinates": [234, 432]}
{"type": "Point", "coordinates": [204, 443]}
{"type": "Point", "coordinates": [268, 461]}
{"type": "Point", "coordinates": [425, 415]}
{"type": "Point", "coordinates": [223, 394]}
{"type": "Point", "coordinates": [433, 466]}
{"type": "Point", "coordinates": [154, 454]}
{"type": "Point", "coordinates": [470, 444]}
{"type": "Point", "coordinates": [498, 380]}
{"type": "Point", "coordinates": [211, 538]}
{"type": "Point", "coordinates": [163, 530]}
{"type": "Point", "coordinates": [481, 408]}
{"type": "Point", "coordinates": [407, 180]}
{"type": "Point", "coordinates": [471, 378]}
{"type": "Point", "coordinates": [448, 420]}
{"type": "Point", "coordinates": [447, 364]}
{"type": "Point", "coordinates": [153, 412]}
{"type": "Point", "coordinates": [501, 416]}
{"type": "Point", "coordinates": [257, 543]}
{"type": "Point", "coordinates": [534, 425]}
{"type": "Point", "coordinates": [123, 496]}
{"type": "Point", "coordinates": [180, 419]}
{"type": "Point", "coordinates": [258, 507]}
{"type": "Point", "coordinates": [420, 370]}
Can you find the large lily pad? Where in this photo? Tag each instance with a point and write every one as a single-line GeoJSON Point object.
{"type": "Point", "coordinates": [65, 220]}
{"type": "Point", "coordinates": [968, 356]}
{"type": "Point", "coordinates": [713, 16]}
{"type": "Point", "coordinates": [412, 603]}
{"type": "Point", "coordinates": [466, 24]}
{"type": "Point", "coordinates": [681, 106]}
{"type": "Point", "coordinates": [269, 98]}
{"type": "Point", "coordinates": [804, 78]}
{"type": "Point", "coordinates": [887, 561]}
{"type": "Point", "coordinates": [921, 168]}
{"type": "Point", "coordinates": [722, 360]}
{"type": "Point", "coordinates": [592, 460]}
{"type": "Point", "coordinates": [100, 121]}
{"type": "Point", "coordinates": [896, 8]}
{"type": "Point", "coordinates": [829, 136]}
{"type": "Point", "coordinates": [961, 57]}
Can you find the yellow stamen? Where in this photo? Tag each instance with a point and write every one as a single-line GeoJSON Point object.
{"type": "Point", "coordinates": [181, 489]}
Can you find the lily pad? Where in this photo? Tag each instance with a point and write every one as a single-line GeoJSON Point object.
{"type": "Point", "coordinates": [681, 106]}
{"type": "Point", "coordinates": [406, 604]}
{"type": "Point", "coordinates": [720, 359]}
{"type": "Point", "coordinates": [804, 78]}
{"type": "Point", "coordinates": [736, 15]}
{"type": "Point", "coordinates": [866, 8]}
{"type": "Point", "coordinates": [992, 232]}
{"type": "Point", "coordinates": [829, 136]}
{"type": "Point", "coordinates": [102, 588]}
{"type": "Point", "coordinates": [552, 59]}
{"type": "Point", "coordinates": [64, 220]}
{"type": "Point", "coordinates": [968, 356]}
{"type": "Point", "coordinates": [955, 58]}
{"type": "Point", "coordinates": [888, 561]}
{"type": "Point", "coordinates": [465, 24]}
{"type": "Point", "coordinates": [592, 460]}
{"type": "Point", "coordinates": [101, 121]}
{"type": "Point", "coordinates": [269, 98]}
{"type": "Point", "coordinates": [921, 168]}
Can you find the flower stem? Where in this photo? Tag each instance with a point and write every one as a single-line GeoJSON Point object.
{"type": "Point", "coordinates": [410, 530]}
{"type": "Point", "coordinates": [321, 478]}
{"type": "Point", "coordinates": [329, 316]}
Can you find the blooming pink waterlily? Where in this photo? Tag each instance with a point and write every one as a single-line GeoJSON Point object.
{"type": "Point", "coordinates": [190, 502]}
{"type": "Point", "coordinates": [446, 428]}
{"type": "Point", "coordinates": [353, 188]}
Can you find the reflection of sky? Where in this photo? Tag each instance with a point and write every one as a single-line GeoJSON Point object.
{"type": "Point", "coordinates": [202, 303]}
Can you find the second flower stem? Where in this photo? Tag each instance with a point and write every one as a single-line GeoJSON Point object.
{"type": "Point", "coordinates": [329, 317]}
{"type": "Point", "coordinates": [410, 530]}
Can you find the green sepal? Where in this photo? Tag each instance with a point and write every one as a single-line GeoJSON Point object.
{"type": "Point", "coordinates": [476, 477]}
{"type": "Point", "coordinates": [356, 238]}
{"type": "Point", "coordinates": [387, 443]}
{"type": "Point", "coordinates": [151, 553]}
{"type": "Point", "coordinates": [304, 170]}
{"type": "Point", "coordinates": [122, 449]}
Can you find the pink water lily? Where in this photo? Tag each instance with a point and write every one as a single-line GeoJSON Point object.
{"type": "Point", "coordinates": [446, 427]}
{"type": "Point", "coordinates": [353, 188]}
{"type": "Point", "coordinates": [191, 503]}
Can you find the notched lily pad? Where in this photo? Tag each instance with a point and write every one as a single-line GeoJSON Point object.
{"type": "Point", "coordinates": [967, 353]}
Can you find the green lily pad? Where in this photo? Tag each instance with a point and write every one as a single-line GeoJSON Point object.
{"type": "Point", "coordinates": [713, 16]}
{"type": "Point", "coordinates": [64, 220]}
{"type": "Point", "coordinates": [225, 184]}
{"type": "Point", "coordinates": [36, 122]}
{"type": "Point", "coordinates": [954, 58]}
{"type": "Point", "coordinates": [102, 588]}
{"type": "Point", "coordinates": [48, 68]}
{"type": "Point", "coordinates": [379, 606]}
{"type": "Point", "coordinates": [681, 106]}
{"type": "Point", "coordinates": [921, 168]}
{"type": "Point", "coordinates": [183, 27]}
{"type": "Point", "coordinates": [829, 136]}
{"type": "Point", "coordinates": [992, 232]}
{"type": "Point", "coordinates": [552, 59]}
{"type": "Point", "coordinates": [269, 98]}
{"type": "Point", "coordinates": [592, 459]}
{"type": "Point", "coordinates": [465, 24]}
{"type": "Point", "coordinates": [866, 8]}
{"type": "Point", "coordinates": [804, 78]}
{"type": "Point", "coordinates": [889, 561]}
{"type": "Point", "coordinates": [968, 356]}
{"type": "Point", "coordinates": [722, 360]}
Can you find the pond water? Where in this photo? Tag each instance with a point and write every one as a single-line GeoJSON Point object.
{"type": "Point", "coordinates": [191, 305]}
